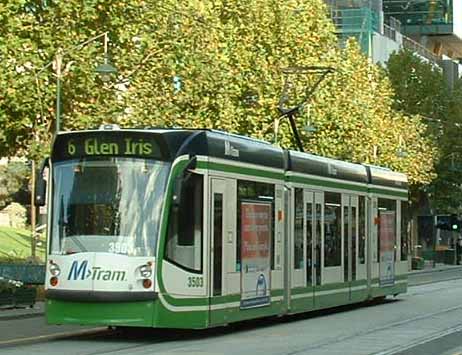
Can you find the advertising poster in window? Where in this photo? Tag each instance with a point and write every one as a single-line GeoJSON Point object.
{"type": "Point", "coordinates": [387, 247]}
{"type": "Point", "coordinates": [255, 254]}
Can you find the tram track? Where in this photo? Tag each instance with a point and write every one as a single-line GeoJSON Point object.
{"type": "Point", "coordinates": [312, 348]}
{"type": "Point", "coordinates": [329, 342]}
{"type": "Point", "coordinates": [333, 340]}
{"type": "Point", "coordinates": [143, 341]}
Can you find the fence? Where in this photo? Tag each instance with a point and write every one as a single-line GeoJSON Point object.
{"type": "Point", "coordinates": [26, 273]}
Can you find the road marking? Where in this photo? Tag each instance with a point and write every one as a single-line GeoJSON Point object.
{"type": "Point", "coordinates": [52, 336]}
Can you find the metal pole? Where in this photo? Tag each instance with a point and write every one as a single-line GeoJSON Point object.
{"type": "Point", "coordinates": [295, 131]}
{"type": "Point", "coordinates": [105, 46]}
{"type": "Point", "coordinates": [58, 63]}
{"type": "Point", "coordinates": [276, 130]}
{"type": "Point", "coordinates": [32, 212]}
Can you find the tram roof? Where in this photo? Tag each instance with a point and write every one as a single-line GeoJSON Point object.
{"type": "Point", "coordinates": [223, 145]}
{"type": "Point", "coordinates": [311, 164]}
{"type": "Point", "coordinates": [385, 177]}
{"type": "Point", "coordinates": [207, 142]}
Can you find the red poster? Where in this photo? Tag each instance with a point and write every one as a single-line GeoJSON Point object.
{"type": "Point", "coordinates": [387, 247]}
{"type": "Point", "coordinates": [255, 219]}
{"type": "Point", "coordinates": [256, 224]}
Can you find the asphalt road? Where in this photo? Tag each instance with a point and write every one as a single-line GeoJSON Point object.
{"type": "Point", "coordinates": [424, 321]}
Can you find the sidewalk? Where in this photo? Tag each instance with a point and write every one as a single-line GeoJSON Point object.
{"type": "Point", "coordinates": [437, 268]}
{"type": "Point", "coordinates": [22, 312]}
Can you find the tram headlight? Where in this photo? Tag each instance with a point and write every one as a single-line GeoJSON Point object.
{"type": "Point", "coordinates": [54, 269]}
{"type": "Point", "coordinates": [145, 271]}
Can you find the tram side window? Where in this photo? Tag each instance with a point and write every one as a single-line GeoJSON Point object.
{"type": "Point", "coordinates": [362, 230]}
{"type": "Point", "coordinates": [405, 229]}
{"type": "Point", "coordinates": [298, 232]}
{"type": "Point", "coordinates": [254, 192]}
{"type": "Point", "coordinates": [184, 243]}
{"type": "Point", "coordinates": [332, 229]}
{"type": "Point", "coordinates": [386, 236]}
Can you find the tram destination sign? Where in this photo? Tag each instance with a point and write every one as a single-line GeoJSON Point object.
{"type": "Point", "coordinates": [114, 143]}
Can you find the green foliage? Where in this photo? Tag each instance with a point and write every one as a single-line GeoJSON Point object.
{"type": "Point", "coordinates": [14, 179]}
{"type": "Point", "coordinates": [214, 64]}
{"type": "Point", "coordinates": [7, 285]}
{"type": "Point", "coordinates": [356, 120]}
{"type": "Point", "coordinates": [421, 90]}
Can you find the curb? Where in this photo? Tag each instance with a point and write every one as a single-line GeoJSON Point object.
{"type": "Point", "coordinates": [56, 336]}
{"type": "Point", "coordinates": [437, 269]}
{"type": "Point", "coordinates": [37, 310]}
{"type": "Point", "coordinates": [21, 316]}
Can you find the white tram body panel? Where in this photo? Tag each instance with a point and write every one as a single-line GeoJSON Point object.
{"type": "Point", "coordinates": [224, 228]}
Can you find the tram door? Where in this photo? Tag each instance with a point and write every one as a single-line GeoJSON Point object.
{"type": "Point", "coordinates": [306, 247]}
{"type": "Point", "coordinates": [350, 239]}
{"type": "Point", "coordinates": [222, 247]}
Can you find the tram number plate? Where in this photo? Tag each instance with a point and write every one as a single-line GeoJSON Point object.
{"type": "Point", "coordinates": [119, 248]}
{"type": "Point", "coordinates": [195, 282]}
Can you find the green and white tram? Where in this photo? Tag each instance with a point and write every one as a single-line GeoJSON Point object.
{"type": "Point", "coordinates": [198, 228]}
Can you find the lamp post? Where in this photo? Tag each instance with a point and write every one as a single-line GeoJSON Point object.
{"type": "Point", "coordinates": [105, 70]}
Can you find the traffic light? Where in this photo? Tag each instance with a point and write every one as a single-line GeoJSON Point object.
{"type": "Point", "coordinates": [449, 223]}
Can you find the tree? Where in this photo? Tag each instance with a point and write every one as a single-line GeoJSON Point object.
{"type": "Point", "coordinates": [357, 122]}
{"type": "Point", "coordinates": [420, 89]}
{"type": "Point", "coordinates": [14, 179]}
{"type": "Point", "coordinates": [212, 64]}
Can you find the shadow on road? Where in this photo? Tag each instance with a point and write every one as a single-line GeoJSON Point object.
{"type": "Point", "coordinates": [147, 336]}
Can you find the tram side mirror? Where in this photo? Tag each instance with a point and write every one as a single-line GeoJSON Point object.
{"type": "Point", "coordinates": [41, 184]}
{"type": "Point", "coordinates": [181, 180]}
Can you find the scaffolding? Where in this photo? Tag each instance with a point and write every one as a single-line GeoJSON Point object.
{"type": "Point", "coordinates": [356, 18]}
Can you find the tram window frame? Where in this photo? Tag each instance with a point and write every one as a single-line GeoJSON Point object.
{"type": "Point", "coordinates": [309, 215]}
{"type": "Point", "coordinates": [333, 201]}
{"type": "Point", "coordinates": [253, 191]}
{"type": "Point", "coordinates": [299, 242]}
{"type": "Point", "coordinates": [362, 230]}
{"type": "Point", "coordinates": [217, 235]}
{"type": "Point", "coordinates": [389, 204]}
{"type": "Point", "coordinates": [405, 229]}
{"type": "Point", "coordinates": [179, 235]}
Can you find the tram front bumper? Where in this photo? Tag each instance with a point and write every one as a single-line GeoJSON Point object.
{"type": "Point", "coordinates": [102, 313]}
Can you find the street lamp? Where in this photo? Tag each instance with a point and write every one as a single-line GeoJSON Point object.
{"type": "Point", "coordinates": [401, 151]}
{"type": "Point", "coordinates": [105, 70]}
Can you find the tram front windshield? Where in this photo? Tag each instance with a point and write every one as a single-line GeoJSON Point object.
{"type": "Point", "coordinates": [111, 206]}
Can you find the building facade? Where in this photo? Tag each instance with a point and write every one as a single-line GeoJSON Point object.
{"type": "Point", "coordinates": [430, 28]}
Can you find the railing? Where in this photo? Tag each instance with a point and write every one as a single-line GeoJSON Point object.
{"type": "Point", "coordinates": [420, 12]}
{"type": "Point", "coordinates": [390, 32]}
{"type": "Point", "coordinates": [421, 50]}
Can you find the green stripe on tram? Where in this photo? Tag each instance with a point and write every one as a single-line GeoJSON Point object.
{"type": "Point", "coordinates": [176, 170]}
{"type": "Point", "coordinates": [240, 170]}
{"type": "Point", "coordinates": [326, 183]}
{"type": "Point", "coordinates": [260, 173]}
{"type": "Point", "coordinates": [376, 190]}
